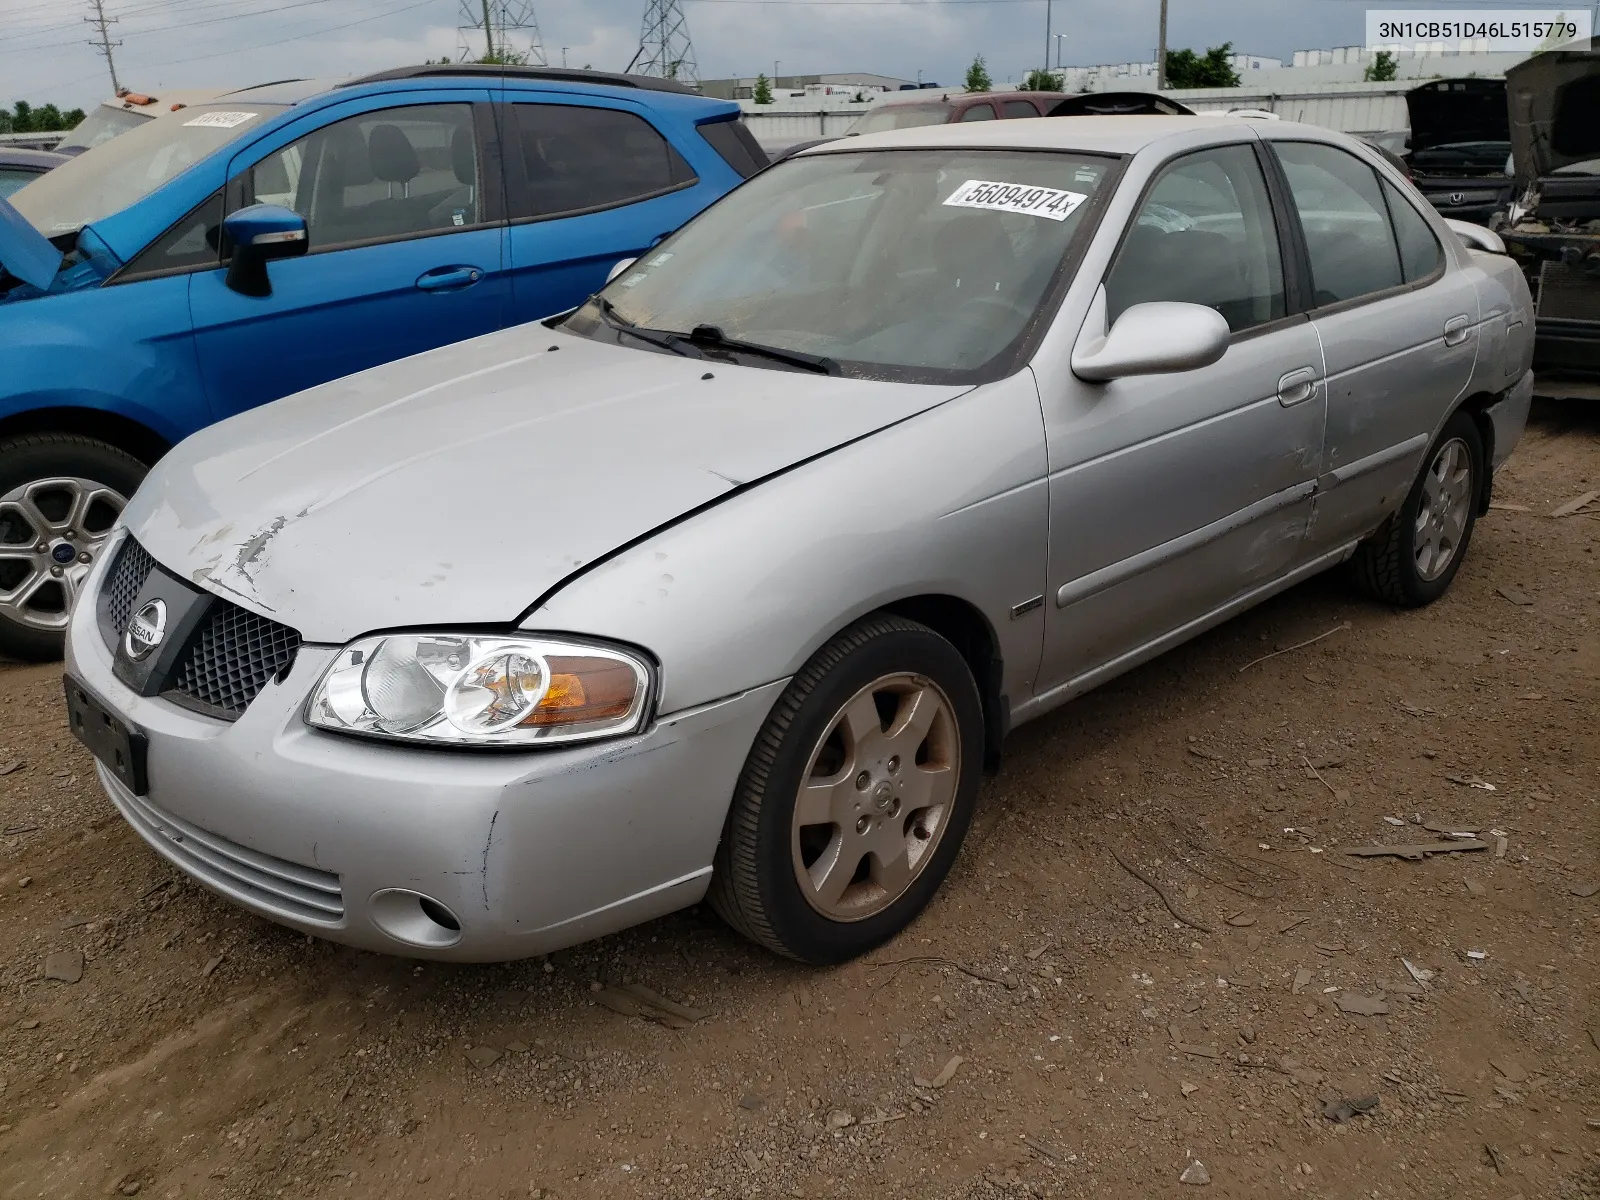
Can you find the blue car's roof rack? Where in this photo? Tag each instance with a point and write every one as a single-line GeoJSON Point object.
{"type": "Point", "coordinates": [553, 74]}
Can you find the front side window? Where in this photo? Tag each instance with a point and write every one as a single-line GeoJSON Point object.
{"type": "Point", "coordinates": [1205, 234]}
{"type": "Point", "coordinates": [398, 172]}
{"type": "Point", "coordinates": [578, 158]}
{"type": "Point", "coordinates": [1348, 235]}
{"type": "Point", "coordinates": [922, 264]}
{"type": "Point", "coordinates": [192, 243]}
{"type": "Point", "coordinates": [979, 112]}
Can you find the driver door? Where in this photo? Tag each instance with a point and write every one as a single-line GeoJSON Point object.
{"type": "Point", "coordinates": [1173, 495]}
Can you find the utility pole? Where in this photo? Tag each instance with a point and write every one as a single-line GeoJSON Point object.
{"type": "Point", "coordinates": [1060, 37]}
{"type": "Point", "coordinates": [1161, 51]}
{"type": "Point", "coordinates": [488, 31]}
{"type": "Point", "coordinates": [775, 63]}
{"type": "Point", "coordinates": [1048, 5]}
{"type": "Point", "coordinates": [564, 50]}
{"type": "Point", "coordinates": [102, 39]}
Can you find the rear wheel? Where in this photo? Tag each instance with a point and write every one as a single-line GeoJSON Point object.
{"type": "Point", "coordinates": [60, 494]}
{"type": "Point", "coordinates": [1414, 555]}
{"type": "Point", "coordinates": [856, 795]}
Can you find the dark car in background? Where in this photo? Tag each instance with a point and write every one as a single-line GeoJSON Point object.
{"type": "Point", "coordinates": [19, 167]}
{"type": "Point", "coordinates": [1553, 225]}
{"type": "Point", "coordinates": [1459, 143]}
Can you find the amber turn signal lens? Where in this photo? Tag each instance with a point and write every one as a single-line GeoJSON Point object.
{"type": "Point", "coordinates": [584, 689]}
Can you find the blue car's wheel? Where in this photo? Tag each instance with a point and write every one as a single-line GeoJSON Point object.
{"type": "Point", "coordinates": [60, 494]}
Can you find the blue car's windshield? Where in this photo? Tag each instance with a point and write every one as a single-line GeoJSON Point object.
{"type": "Point", "coordinates": [115, 174]}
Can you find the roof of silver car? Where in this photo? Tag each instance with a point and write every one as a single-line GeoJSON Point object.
{"type": "Point", "coordinates": [1105, 135]}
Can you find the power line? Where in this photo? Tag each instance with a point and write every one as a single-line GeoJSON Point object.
{"type": "Point", "coordinates": [102, 26]}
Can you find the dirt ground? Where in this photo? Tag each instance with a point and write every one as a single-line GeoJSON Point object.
{"type": "Point", "coordinates": [1048, 1028]}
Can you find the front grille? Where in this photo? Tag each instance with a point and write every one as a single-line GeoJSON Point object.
{"type": "Point", "coordinates": [1568, 293]}
{"type": "Point", "coordinates": [232, 657]}
{"type": "Point", "coordinates": [274, 885]}
{"type": "Point", "coordinates": [132, 568]}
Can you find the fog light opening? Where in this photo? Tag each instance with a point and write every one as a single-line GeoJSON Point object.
{"type": "Point", "coordinates": [438, 913]}
{"type": "Point", "coordinates": [414, 919]}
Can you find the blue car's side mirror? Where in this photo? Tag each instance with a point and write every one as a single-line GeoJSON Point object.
{"type": "Point", "coordinates": [257, 235]}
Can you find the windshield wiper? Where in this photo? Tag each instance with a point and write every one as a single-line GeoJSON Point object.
{"type": "Point", "coordinates": [671, 342]}
{"type": "Point", "coordinates": [712, 337]}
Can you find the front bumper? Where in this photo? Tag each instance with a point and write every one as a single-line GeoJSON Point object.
{"type": "Point", "coordinates": [344, 838]}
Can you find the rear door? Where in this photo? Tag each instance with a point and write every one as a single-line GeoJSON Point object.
{"type": "Point", "coordinates": [406, 223]}
{"type": "Point", "coordinates": [590, 182]}
{"type": "Point", "coordinates": [1399, 332]}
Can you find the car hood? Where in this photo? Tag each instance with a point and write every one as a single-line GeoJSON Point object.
{"type": "Point", "coordinates": [1553, 100]}
{"type": "Point", "coordinates": [459, 486]}
{"type": "Point", "coordinates": [1451, 112]}
{"type": "Point", "coordinates": [24, 251]}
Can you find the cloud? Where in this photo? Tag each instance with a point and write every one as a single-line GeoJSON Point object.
{"type": "Point", "coordinates": [44, 54]}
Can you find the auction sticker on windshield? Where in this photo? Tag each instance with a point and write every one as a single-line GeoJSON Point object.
{"type": "Point", "coordinates": [1053, 203]}
{"type": "Point", "coordinates": [220, 120]}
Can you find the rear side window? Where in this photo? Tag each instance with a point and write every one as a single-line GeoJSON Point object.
{"type": "Point", "coordinates": [736, 146]}
{"type": "Point", "coordinates": [576, 159]}
{"type": "Point", "coordinates": [1020, 108]}
{"type": "Point", "coordinates": [1420, 252]}
{"type": "Point", "coordinates": [978, 112]}
{"type": "Point", "coordinates": [1348, 235]}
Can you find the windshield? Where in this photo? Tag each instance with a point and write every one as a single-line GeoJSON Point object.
{"type": "Point", "coordinates": [126, 169]}
{"type": "Point", "coordinates": [893, 264]}
{"type": "Point", "coordinates": [103, 124]}
{"type": "Point", "coordinates": [900, 116]}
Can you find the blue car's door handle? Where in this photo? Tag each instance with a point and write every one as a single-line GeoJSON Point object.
{"type": "Point", "coordinates": [442, 279]}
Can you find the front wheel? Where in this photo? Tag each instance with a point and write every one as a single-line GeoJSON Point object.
{"type": "Point", "coordinates": [1414, 555]}
{"type": "Point", "coordinates": [60, 494]}
{"type": "Point", "coordinates": [856, 795]}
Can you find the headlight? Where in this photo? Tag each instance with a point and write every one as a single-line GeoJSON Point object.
{"type": "Point", "coordinates": [481, 690]}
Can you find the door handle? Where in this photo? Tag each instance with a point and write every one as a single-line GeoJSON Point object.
{"type": "Point", "coordinates": [1297, 386]}
{"type": "Point", "coordinates": [444, 279]}
{"type": "Point", "coordinates": [1456, 330]}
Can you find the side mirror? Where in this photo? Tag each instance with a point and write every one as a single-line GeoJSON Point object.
{"type": "Point", "coordinates": [1476, 236]}
{"type": "Point", "coordinates": [1149, 339]}
{"type": "Point", "coordinates": [258, 235]}
{"type": "Point", "coordinates": [620, 268]}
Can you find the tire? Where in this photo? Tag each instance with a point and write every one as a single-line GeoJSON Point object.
{"type": "Point", "coordinates": [53, 485]}
{"type": "Point", "coordinates": [888, 702]}
{"type": "Point", "coordinates": [1401, 563]}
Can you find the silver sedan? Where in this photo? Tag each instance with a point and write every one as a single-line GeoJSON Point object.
{"type": "Point", "coordinates": [731, 582]}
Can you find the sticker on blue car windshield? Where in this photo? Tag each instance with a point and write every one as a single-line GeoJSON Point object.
{"type": "Point", "coordinates": [220, 120]}
{"type": "Point", "coordinates": [1055, 204]}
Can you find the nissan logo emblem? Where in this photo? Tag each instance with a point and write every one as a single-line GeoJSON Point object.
{"type": "Point", "coordinates": [145, 630]}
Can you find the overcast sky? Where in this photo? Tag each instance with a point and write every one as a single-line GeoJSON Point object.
{"type": "Point", "coordinates": [44, 54]}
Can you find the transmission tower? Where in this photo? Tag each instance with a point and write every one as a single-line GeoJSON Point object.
{"type": "Point", "coordinates": [502, 30]}
{"type": "Point", "coordinates": [664, 45]}
{"type": "Point", "coordinates": [101, 41]}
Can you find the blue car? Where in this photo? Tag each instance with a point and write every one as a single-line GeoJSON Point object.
{"type": "Point", "coordinates": [398, 212]}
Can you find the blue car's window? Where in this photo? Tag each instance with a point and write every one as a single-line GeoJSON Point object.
{"type": "Point", "coordinates": [191, 243]}
{"type": "Point", "coordinates": [11, 179]}
{"type": "Point", "coordinates": [576, 159]}
{"type": "Point", "coordinates": [398, 172]}
{"type": "Point", "coordinates": [115, 174]}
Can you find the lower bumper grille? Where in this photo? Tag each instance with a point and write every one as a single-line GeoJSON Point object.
{"type": "Point", "coordinates": [259, 880]}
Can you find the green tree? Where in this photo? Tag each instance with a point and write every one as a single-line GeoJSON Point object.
{"type": "Point", "coordinates": [978, 75]}
{"type": "Point", "coordinates": [1382, 69]}
{"type": "Point", "coordinates": [1041, 81]}
{"type": "Point", "coordinates": [1186, 69]}
{"type": "Point", "coordinates": [762, 92]}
